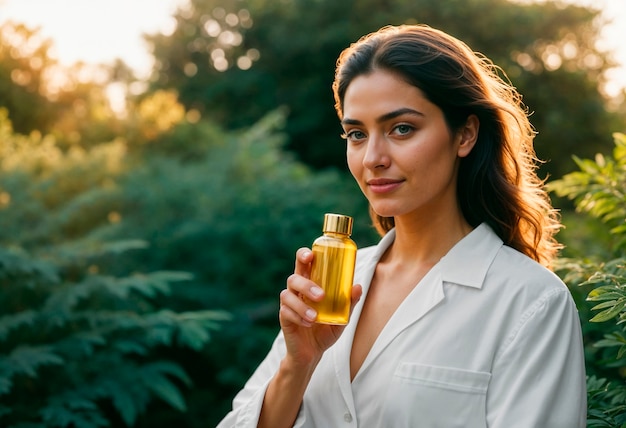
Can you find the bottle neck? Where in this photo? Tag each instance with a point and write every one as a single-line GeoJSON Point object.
{"type": "Point", "coordinates": [336, 234]}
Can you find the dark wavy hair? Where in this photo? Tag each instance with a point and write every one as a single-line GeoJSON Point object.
{"type": "Point", "coordinates": [497, 182]}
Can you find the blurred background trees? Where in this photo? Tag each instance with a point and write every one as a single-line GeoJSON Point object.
{"type": "Point", "coordinates": [235, 60]}
{"type": "Point", "coordinates": [154, 239]}
{"type": "Point", "coordinates": [23, 61]}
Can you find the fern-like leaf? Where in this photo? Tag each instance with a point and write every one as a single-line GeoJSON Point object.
{"type": "Point", "coordinates": [16, 265]}
{"type": "Point", "coordinates": [70, 410]}
{"type": "Point", "coordinates": [155, 377]}
{"type": "Point", "coordinates": [194, 327]}
{"type": "Point", "coordinates": [149, 285]}
{"type": "Point", "coordinates": [13, 322]}
{"type": "Point", "coordinates": [27, 359]}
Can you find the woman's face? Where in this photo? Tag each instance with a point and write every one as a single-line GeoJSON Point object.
{"type": "Point", "coordinates": [399, 148]}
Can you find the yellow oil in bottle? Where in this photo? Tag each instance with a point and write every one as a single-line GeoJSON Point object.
{"type": "Point", "coordinates": [333, 269]}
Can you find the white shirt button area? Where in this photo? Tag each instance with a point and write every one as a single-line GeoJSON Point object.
{"type": "Point", "coordinates": [347, 417]}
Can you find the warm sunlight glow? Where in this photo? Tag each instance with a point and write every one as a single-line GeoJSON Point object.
{"type": "Point", "coordinates": [612, 39]}
{"type": "Point", "coordinates": [99, 31]}
{"type": "Point", "coordinates": [96, 31]}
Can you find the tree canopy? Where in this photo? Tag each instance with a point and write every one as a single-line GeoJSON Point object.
{"type": "Point", "coordinates": [235, 60]}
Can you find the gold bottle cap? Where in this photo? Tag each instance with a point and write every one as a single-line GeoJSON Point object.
{"type": "Point", "coordinates": [337, 223]}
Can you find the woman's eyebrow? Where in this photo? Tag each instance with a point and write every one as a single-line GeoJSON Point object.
{"type": "Point", "coordinates": [347, 121]}
{"type": "Point", "coordinates": [385, 117]}
{"type": "Point", "coordinates": [400, 112]}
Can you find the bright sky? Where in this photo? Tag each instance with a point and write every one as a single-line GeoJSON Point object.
{"type": "Point", "coordinates": [95, 31]}
{"type": "Point", "coordinates": [98, 31]}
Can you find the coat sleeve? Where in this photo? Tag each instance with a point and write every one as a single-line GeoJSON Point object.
{"type": "Point", "coordinates": [538, 378]}
{"type": "Point", "coordinates": [247, 403]}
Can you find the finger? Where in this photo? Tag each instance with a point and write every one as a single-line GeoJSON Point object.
{"type": "Point", "coordinates": [304, 258]}
{"type": "Point", "coordinates": [287, 316]}
{"type": "Point", "coordinates": [357, 292]}
{"type": "Point", "coordinates": [304, 287]}
{"type": "Point", "coordinates": [295, 310]}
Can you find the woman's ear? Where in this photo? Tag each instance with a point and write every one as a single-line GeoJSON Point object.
{"type": "Point", "coordinates": [467, 135]}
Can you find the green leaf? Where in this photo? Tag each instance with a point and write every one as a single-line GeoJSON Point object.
{"type": "Point", "coordinates": [72, 409]}
{"type": "Point", "coordinates": [80, 344]}
{"type": "Point", "coordinates": [194, 327]}
{"type": "Point", "coordinates": [152, 284]}
{"type": "Point", "coordinates": [621, 352]}
{"type": "Point", "coordinates": [125, 405]}
{"type": "Point", "coordinates": [603, 305]}
{"type": "Point", "coordinates": [22, 271]}
{"type": "Point", "coordinates": [193, 335]}
{"type": "Point", "coordinates": [62, 300]}
{"type": "Point", "coordinates": [130, 347]}
{"type": "Point", "coordinates": [12, 322]}
{"type": "Point", "coordinates": [5, 385]}
{"type": "Point", "coordinates": [170, 369]}
{"type": "Point", "coordinates": [609, 313]}
{"type": "Point", "coordinates": [85, 249]}
{"type": "Point", "coordinates": [27, 359]}
{"type": "Point", "coordinates": [165, 389]}
{"type": "Point", "coordinates": [607, 292]}
{"type": "Point", "coordinates": [606, 343]}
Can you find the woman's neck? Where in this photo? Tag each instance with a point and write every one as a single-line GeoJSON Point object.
{"type": "Point", "coordinates": [425, 242]}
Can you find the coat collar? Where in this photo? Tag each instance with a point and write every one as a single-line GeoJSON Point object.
{"type": "Point", "coordinates": [466, 264]}
{"type": "Point", "coordinates": [468, 261]}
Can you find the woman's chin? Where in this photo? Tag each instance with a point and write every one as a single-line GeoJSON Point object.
{"type": "Point", "coordinates": [384, 211]}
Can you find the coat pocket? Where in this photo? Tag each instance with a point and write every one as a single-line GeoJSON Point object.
{"type": "Point", "coordinates": [432, 396]}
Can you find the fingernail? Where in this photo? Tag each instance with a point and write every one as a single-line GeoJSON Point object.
{"type": "Point", "coordinates": [311, 314]}
{"type": "Point", "coordinates": [316, 291]}
{"type": "Point", "coordinates": [306, 254]}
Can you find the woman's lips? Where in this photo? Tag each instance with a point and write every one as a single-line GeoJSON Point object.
{"type": "Point", "coordinates": [383, 185]}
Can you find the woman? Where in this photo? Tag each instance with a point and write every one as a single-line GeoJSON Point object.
{"type": "Point", "coordinates": [458, 322]}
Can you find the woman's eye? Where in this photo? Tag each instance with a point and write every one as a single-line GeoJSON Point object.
{"type": "Point", "coordinates": [354, 135]}
{"type": "Point", "coordinates": [403, 129]}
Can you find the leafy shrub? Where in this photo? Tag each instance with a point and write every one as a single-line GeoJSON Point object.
{"type": "Point", "coordinates": [598, 190]}
{"type": "Point", "coordinates": [230, 209]}
{"type": "Point", "coordinates": [73, 349]}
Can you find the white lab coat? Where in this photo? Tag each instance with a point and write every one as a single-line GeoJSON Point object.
{"type": "Point", "coordinates": [488, 338]}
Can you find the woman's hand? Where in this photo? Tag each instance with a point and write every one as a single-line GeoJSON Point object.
{"type": "Point", "coordinates": [306, 341]}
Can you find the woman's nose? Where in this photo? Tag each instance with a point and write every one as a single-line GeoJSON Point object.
{"type": "Point", "coordinates": [376, 155]}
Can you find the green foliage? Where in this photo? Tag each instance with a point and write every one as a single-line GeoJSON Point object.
{"type": "Point", "coordinates": [230, 209]}
{"type": "Point", "coordinates": [598, 188]}
{"type": "Point", "coordinates": [598, 191]}
{"type": "Point", "coordinates": [607, 403]}
{"type": "Point", "coordinates": [70, 346]}
{"type": "Point", "coordinates": [79, 347]}
{"type": "Point", "coordinates": [225, 53]}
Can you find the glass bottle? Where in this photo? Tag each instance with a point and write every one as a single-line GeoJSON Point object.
{"type": "Point", "coordinates": [333, 269]}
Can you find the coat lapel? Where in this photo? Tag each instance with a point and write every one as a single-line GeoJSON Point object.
{"type": "Point", "coordinates": [455, 267]}
{"type": "Point", "coordinates": [423, 298]}
{"type": "Point", "coordinates": [366, 261]}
